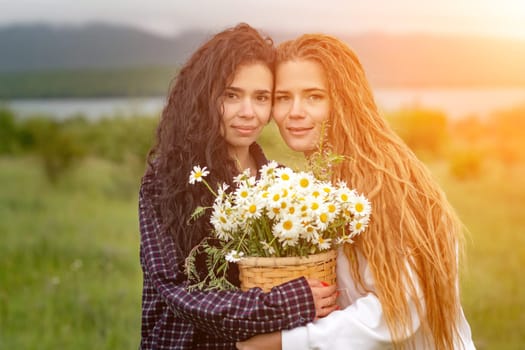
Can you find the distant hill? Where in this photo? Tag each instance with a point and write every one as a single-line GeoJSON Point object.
{"type": "Point", "coordinates": [98, 45]}
{"type": "Point", "coordinates": [390, 60]}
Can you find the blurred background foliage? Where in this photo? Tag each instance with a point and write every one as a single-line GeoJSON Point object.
{"type": "Point", "coordinates": [69, 221]}
{"type": "Point", "coordinates": [467, 144]}
{"type": "Point", "coordinates": [82, 82]}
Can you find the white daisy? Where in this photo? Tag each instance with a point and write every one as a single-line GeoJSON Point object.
{"type": "Point", "coordinates": [323, 243]}
{"type": "Point", "coordinates": [344, 194]}
{"type": "Point", "coordinates": [234, 256]}
{"type": "Point", "coordinates": [222, 195]}
{"type": "Point", "coordinates": [242, 194]}
{"type": "Point", "coordinates": [288, 230]}
{"type": "Point", "coordinates": [197, 174]}
{"type": "Point", "coordinates": [252, 208]}
{"type": "Point", "coordinates": [344, 239]}
{"type": "Point", "coordinates": [323, 218]}
{"type": "Point", "coordinates": [242, 177]}
{"type": "Point", "coordinates": [358, 225]}
{"type": "Point", "coordinates": [223, 223]}
{"type": "Point", "coordinates": [267, 247]}
{"type": "Point", "coordinates": [310, 232]}
{"type": "Point", "coordinates": [274, 201]}
{"type": "Point", "coordinates": [267, 171]}
{"type": "Point", "coordinates": [314, 205]}
{"type": "Point", "coordinates": [360, 206]}
{"type": "Point", "coordinates": [284, 174]}
{"type": "Point", "coordinates": [304, 182]}
{"type": "Point", "coordinates": [327, 188]}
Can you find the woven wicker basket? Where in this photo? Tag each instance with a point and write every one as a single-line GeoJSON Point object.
{"type": "Point", "coordinates": [270, 272]}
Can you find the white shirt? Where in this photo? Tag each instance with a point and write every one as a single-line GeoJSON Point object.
{"type": "Point", "coordinates": [360, 325]}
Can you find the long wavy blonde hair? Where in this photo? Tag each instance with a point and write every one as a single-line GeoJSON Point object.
{"type": "Point", "coordinates": [414, 235]}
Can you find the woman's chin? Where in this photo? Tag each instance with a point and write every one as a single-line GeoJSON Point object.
{"type": "Point", "coordinates": [299, 146]}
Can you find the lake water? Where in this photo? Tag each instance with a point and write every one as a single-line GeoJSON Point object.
{"type": "Point", "coordinates": [455, 103]}
{"type": "Point", "coordinates": [92, 108]}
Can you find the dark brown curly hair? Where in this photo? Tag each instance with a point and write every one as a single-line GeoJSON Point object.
{"type": "Point", "coordinates": [188, 133]}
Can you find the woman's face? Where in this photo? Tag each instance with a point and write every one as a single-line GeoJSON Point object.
{"type": "Point", "coordinates": [301, 103]}
{"type": "Point", "coordinates": [246, 106]}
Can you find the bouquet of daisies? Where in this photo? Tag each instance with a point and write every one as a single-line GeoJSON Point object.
{"type": "Point", "coordinates": [282, 213]}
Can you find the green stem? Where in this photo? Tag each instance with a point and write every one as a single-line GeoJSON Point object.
{"type": "Point", "coordinates": [209, 188]}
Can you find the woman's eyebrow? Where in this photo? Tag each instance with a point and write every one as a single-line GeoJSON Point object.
{"type": "Point", "coordinates": [315, 90]}
{"type": "Point", "coordinates": [237, 89]}
{"type": "Point", "coordinates": [304, 90]}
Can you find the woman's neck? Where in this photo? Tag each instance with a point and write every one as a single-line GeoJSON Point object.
{"type": "Point", "coordinates": [244, 160]}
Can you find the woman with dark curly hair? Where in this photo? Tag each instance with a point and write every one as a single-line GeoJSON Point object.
{"type": "Point", "coordinates": [217, 107]}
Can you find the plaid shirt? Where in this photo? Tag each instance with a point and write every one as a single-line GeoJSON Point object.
{"type": "Point", "coordinates": [173, 318]}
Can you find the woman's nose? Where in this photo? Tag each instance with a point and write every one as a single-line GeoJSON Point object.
{"type": "Point", "coordinates": [297, 110]}
{"type": "Point", "coordinates": [247, 109]}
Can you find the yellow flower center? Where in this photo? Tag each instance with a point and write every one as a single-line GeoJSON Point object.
{"type": "Point", "coordinates": [315, 206]}
{"type": "Point", "coordinates": [323, 218]}
{"type": "Point", "coordinates": [244, 194]}
{"type": "Point", "coordinates": [331, 208]}
{"type": "Point", "coordinates": [359, 207]}
{"type": "Point", "coordinates": [252, 209]}
{"type": "Point", "coordinates": [344, 197]}
{"type": "Point", "coordinates": [285, 177]}
{"type": "Point", "coordinates": [358, 226]}
{"type": "Point", "coordinates": [287, 225]}
{"type": "Point", "coordinates": [304, 182]}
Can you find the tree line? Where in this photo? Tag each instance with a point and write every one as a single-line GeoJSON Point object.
{"type": "Point", "coordinates": [466, 144]}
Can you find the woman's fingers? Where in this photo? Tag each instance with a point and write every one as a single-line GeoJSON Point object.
{"type": "Point", "coordinates": [325, 311]}
{"type": "Point", "coordinates": [325, 297]}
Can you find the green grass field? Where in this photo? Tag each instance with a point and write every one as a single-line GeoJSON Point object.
{"type": "Point", "coordinates": [70, 275]}
{"type": "Point", "coordinates": [69, 259]}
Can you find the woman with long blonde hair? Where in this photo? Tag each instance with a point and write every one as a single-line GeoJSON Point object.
{"type": "Point", "coordinates": [400, 278]}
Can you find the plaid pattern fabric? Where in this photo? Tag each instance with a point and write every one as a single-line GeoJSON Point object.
{"type": "Point", "coordinates": [173, 318]}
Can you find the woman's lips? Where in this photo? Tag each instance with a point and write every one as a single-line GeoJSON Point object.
{"type": "Point", "coordinates": [244, 130]}
{"type": "Point", "coordinates": [298, 131]}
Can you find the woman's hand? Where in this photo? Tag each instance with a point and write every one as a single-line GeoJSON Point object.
{"type": "Point", "coordinates": [268, 341]}
{"type": "Point", "coordinates": [325, 297]}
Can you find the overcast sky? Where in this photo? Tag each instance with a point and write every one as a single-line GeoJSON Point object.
{"type": "Point", "coordinates": [485, 17]}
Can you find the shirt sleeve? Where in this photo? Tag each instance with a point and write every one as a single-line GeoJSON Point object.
{"type": "Point", "coordinates": [361, 325]}
{"type": "Point", "coordinates": [234, 315]}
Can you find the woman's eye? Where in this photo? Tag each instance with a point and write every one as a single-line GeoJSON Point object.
{"type": "Point", "coordinates": [230, 95]}
{"type": "Point", "coordinates": [263, 98]}
{"type": "Point", "coordinates": [282, 98]}
{"type": "Point", "coordinates": [315, 97]}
